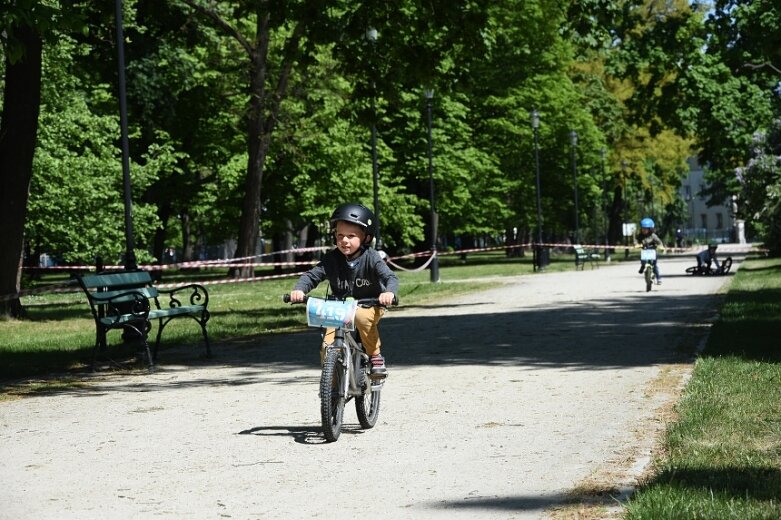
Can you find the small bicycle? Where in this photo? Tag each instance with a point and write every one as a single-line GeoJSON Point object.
{"type": "Point", "coordinates": [704, 270]}
{"type": "Point", "coordinates": [346, 371]}
{"type": "Point", "coordinates": [649, 257]}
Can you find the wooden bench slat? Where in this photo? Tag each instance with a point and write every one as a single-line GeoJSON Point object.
{"type": "Point", "coordinates": [96, 281]}
{"type": "Point", "coordinates": [147, 292]}
{"type": "Point", "coordinates": [119, 320]}
{"type": "Point", "coordinates": [155, 314]}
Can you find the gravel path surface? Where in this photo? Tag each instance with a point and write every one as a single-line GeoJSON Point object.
{"type": "Point", "coordinates": [502, 404]}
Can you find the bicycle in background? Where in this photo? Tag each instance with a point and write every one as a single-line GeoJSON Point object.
{"type": "Point", "coordinates": [705, 270]}
{"type": "Point", "coordinates": [649, 257]}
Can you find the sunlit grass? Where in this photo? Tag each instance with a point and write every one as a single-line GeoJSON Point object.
{"type": "Point", "coordinates": [722, 457]}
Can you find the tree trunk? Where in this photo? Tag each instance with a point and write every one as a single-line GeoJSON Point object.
{"type": "Point", "coordinates": [188, 245]}
{"type": "Point", "coordinates": [615, 225]}
{"type": "Point", "coordinates": [18, 132]}
{"type": "Point", "coordinates": [257, 146]}
{"type": "Point", "coordinates": [262, 112]}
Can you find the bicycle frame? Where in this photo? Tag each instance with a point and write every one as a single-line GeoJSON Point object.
{"type": "Point", "coordinates": [353, 358]}
{"type": "Point", "coordinates": [649, 257]}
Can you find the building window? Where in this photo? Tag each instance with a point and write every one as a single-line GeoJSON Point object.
{"type": "Point", "coordinates": [719, 221]}
{"type": "Point", "coordinates": [704, 219]}
{"type": "Point", "coordinates": [688, 192]}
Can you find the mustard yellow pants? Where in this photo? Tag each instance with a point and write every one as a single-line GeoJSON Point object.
{"type": "Point", "coordinates": [366, 321]}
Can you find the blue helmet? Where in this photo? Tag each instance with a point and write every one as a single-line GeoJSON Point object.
{"type": "Point", "coordinates": [647, 223]}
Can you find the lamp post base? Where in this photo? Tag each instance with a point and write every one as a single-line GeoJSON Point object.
{"type": "Point", "coordinates": [541, 257]}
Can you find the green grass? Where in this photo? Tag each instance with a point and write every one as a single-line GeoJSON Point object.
{"type": "Point", "coordinates": [722, 456]}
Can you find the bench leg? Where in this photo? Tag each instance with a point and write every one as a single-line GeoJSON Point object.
{"type": "Point", "coordinates": [95, 349]}
{"type": "Point", "coordinates": [160, 327]}
{"type": "Point", "coordinates": [202, 322]}
{"type": "Point", "coordinates": [206, 339]}
{"type": "Point", "coordinates": [149, 357]}
{"type": "Point", "coordinates": [101, 345]}
{"type": "Point", "coordinates": [144, 335]}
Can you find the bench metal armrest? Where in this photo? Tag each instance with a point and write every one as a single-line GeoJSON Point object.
{"type": "Point", "coordinates": [192, 294]}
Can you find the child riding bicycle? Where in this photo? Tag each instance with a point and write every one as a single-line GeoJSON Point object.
{"type": "Point", "coordinates": [354, 269]}
{"type": "Point", "coordinates": [647, 239]}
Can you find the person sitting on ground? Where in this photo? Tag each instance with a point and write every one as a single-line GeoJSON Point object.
{"type": "Point", "coordinates": [356, 270]}
{"type": "Point", "coordinates": [647, 239]}
{"type": "Point", "coordinates": [708, 256]}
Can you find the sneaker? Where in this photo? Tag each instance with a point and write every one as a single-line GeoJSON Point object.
{"type": "Point", "coordinates": [640, 271]}
{"type": "Point", "coordinates": [658, 282]}
{"type": "Point", "coordinates": [378, 366]}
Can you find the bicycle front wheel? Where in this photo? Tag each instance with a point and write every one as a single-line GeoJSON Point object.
{"type": "Point", "coordinates": [649, 273]}
{"type": "Point", "coordinates": [331, 398]}
{"type": "Point", "coordinates": [367, 406]}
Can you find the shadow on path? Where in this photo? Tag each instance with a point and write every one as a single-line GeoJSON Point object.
{"type": "Point", "coordinates": [628, 330]}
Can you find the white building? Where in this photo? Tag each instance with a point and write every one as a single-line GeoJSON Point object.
{"type": "Point", "coordinates": [706, 223]}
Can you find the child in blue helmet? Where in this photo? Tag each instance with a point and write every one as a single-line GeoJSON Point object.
{"type": "Point", "coordinates": [647, 239]}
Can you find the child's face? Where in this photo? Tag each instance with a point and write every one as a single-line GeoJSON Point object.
{"type": "Point", "coordinates": [645, 230]}
{"type": "Point", "coordinates": [349, 237]}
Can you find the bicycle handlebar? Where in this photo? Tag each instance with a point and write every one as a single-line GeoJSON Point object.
{"type": "Point", "coordinates": [363, 301]}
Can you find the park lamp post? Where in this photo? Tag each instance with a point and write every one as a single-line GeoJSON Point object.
{"type": "Point", "coordinates": [625, 207]}
{"type": "Point", "coordinates": [434, 267]}
{"type": "Point", "coordinates": [371, 36]}
{"type": "Point", "coordinates": [573, 139]}
{"type": "Point", "coordinates": [605, 202]}
{"type": "Point", "coordinates": [539, 260]}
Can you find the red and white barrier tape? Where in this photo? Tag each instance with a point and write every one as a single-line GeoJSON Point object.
{"type": "Point", "coordinates": [231, 263]}
{"type": "Point", "coordinates": [222, 262]}
{"type": "Point", "coordinates": [231, 280]}
{"type": "Point", "coordinates": [417, 269]}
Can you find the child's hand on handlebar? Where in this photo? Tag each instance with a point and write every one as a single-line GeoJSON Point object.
{"type": "Point", "coordinates": [385, 299]}
{"type": "Point", "coordinates": [297, 296]}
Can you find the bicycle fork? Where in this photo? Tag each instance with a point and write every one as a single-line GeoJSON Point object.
{"type": "Point", "coordinates": [346, 361]}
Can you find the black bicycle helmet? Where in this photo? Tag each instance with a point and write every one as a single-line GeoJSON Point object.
{"type": "Point", "coordinates": [356, 214]}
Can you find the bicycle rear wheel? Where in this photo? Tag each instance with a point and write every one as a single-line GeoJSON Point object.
{"type": "Point", "coordinates": [331, 400]}
{"type": "Point", "coordinates": [726, 265]}
{"type": "Point", "coordinates": [367, 406]}
{"type": "Point", "coordinates": [649, 273]}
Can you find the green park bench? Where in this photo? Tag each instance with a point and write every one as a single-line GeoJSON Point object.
{"type": "Point", "coordinates": [582, 256]}
{"type": "Point", "coordinates": [121, 300]}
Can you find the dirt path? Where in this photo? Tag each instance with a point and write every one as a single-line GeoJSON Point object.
{"type": "Point", "coordinates": [498, 405]}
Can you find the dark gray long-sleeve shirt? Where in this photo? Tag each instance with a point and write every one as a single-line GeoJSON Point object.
{"type": "Point", "coordinates": [364, 277]}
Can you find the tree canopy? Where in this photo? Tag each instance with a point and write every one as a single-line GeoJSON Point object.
{"type": "Point", "coordinates": [253, 119]}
